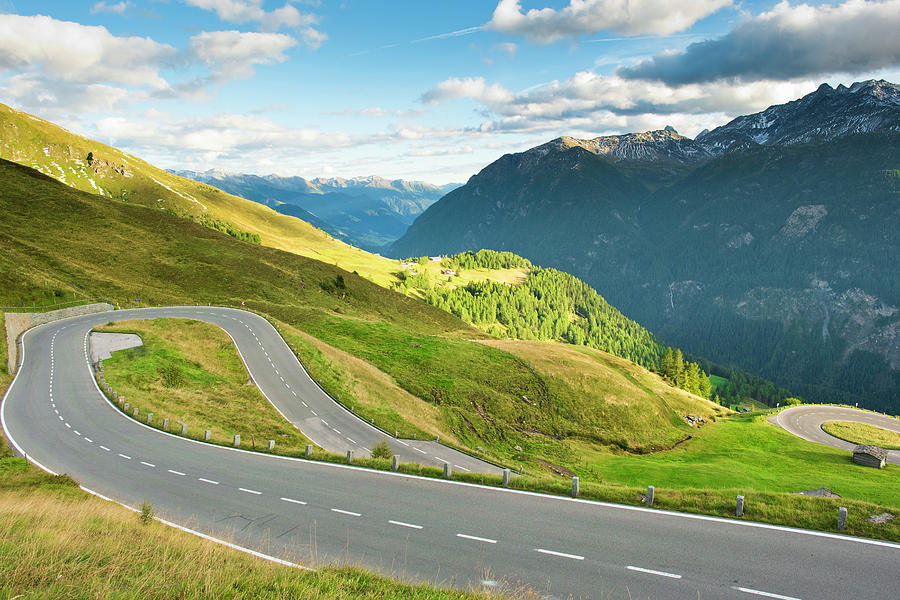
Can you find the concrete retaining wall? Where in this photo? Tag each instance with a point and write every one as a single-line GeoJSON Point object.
{"type": "Point", "coordinates": [19, 323]}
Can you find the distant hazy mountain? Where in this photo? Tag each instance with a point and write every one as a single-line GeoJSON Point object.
{"type": "Point", "coordinates": [771, 243]}
{"type": "Point", "coordinates": [369, 212]}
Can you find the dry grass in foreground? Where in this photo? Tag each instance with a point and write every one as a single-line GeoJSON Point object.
{"type": "Point", "coordinates": [58, 542]}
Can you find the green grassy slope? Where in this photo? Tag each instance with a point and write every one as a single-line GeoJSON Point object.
{"type": "Point", "coordinates": [56, 238]}
{"type": "Point", "coordinates": [112, 173]}
{"type": "Point", "coordinates": [53, 237]}
{"type": "Point", "coordinates": [99, 169]}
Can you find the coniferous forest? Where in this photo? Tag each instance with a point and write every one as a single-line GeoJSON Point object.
{"type": "Point", "coordinates": [553, 305]}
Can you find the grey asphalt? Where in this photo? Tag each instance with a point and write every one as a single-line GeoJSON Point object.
{"type": "Point", "coordinates": [102, 345]}
{"type": "Point", "coordinates": [806, 422]}
{"type": "Point", "coordinates": [418, 529]}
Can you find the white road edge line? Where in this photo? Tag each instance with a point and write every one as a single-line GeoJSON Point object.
{"type": "Point", "coordinates": [250, 491]}
{"type": "Point", "coordinates": [204, 480]}
{"type": "Point", "coordinates": [292, 501]}
{"type": "Point", "coordinates": [560, 554]}
{"type": "Point", "coordinates": [763, 594]}
{"type": "Point", "coordinates": [268, 557]}
{"type": "Point", "coordinates": [653, 572]}
{"type": "Point", "coordinates": [345, 512]}
{"type": "Point", "coordinates": [402, 524]}
{"type": "Point", "coordinates": [476, 538]}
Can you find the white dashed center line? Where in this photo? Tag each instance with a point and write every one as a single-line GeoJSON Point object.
{"type": "Point", "coordinates": [210, 481]}
{"type": "Point", "coordinates": [148, 464]}
{"type": "Point", "coordinates": [292, 501]}
{"type": "Point", "coordinates": [250, 491]}
{"type": "Point", "coordinates": [176, 472]}
{"type": "Point", "coordinates": [763, 594]}
{"type": "Point", "coordinates": [105, 448]}
{"type": "Point", "coordinates": [475, 538]}
{"type": "Point", "coordinates": [89, 440]}
{"type": "Point", "coordinates": [75, 431]}
{"type": "Point", "coordinates": [346, 512]}
{"type": "Point", "coordinates": [126, 457]}
{"type": "Point", "coordinates": [463, 468]}
{"type": "Point", "coordinates": [419, 450]}
{"type": "Point", "coordinates": [560, 554]}
{"type": "Point", "coordinates": [653, 572]}
{"type": "Point", "coordinates": [304, 404]}
{"type": "Point", "coordinates": [402, 524]}
{"type": "Point", "coordinates": [67, 425]}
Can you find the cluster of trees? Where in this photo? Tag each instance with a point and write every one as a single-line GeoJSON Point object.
{"type": "Point", "coordinates": [743, 386]}
{"type": "Point", "coordinates": [685, 375]}
{"type": "Point", "coordinates": [486, 259]}
{"type": "Point", "coordinates": [554, 305]}
{"type": "Point", "coordinates": [228, 228]}
{"type": "Point", "coordinates": [419, 281]}
{"type": "Point", "coordinates": [550, 305]}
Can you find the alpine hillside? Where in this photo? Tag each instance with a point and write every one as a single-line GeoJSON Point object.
{"type": "Point", "coordinates": [770, 243]}
{"type": "Point", "coordinates": [368, 212]}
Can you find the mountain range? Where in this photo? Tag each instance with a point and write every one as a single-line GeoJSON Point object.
{"type": "Point", "coordinates": [769, 243]}
{"type": "Point", "coordinates": [368, 212]}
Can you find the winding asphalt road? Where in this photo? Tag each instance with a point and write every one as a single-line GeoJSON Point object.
{"type": "Point", "coordinates": [806, 422]}
{"type": "Point", "coordinates": [449, 533]}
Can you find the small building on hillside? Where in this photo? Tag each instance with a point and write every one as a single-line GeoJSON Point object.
{"type": "Point", "coordinates": [870, 456]}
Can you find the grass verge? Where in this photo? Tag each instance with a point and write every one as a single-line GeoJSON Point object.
{"type": "Point", "coordinates": [190, 372]}
{"type": "Point", "coordinates": [862, 433]}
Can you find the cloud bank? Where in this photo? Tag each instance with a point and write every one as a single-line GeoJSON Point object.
{"type": "Point", "coordinates": [787, 42]}
{"type": "Point", "coordinates": [626, 17]}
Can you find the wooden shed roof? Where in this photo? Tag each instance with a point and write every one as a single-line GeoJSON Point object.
{"type": "Point", "coordinates": [876, 451]}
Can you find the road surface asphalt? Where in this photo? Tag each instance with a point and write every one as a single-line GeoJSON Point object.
{"type": "Point", "coordinates": [448, 533]}
{"type": "Point", "coordinates": [806, 422]}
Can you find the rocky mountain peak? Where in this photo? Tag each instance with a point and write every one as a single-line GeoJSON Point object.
{"type": "Point", "coordinates": [647, 145]}
{"type": "Point", "coordinates": [825, 114]}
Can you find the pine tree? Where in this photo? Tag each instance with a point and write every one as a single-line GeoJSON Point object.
{"type": "Point", "coordinates": [667, 365]}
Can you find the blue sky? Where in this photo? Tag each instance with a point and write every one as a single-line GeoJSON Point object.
{"type": "Point", "coordinates": [428, 90]}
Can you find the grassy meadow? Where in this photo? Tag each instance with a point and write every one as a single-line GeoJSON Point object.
{"type": "Point", "coordinates": [861, 433]}
{"type": "Point", "coordinates": [190, 371]}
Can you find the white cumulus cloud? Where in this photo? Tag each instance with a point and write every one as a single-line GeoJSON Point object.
{"type": "Point", "coordinates": [626, 17]}
{"type": "Point", "coordinates": [233, 54]}
{"type": "Point", "coordinates": [247, 11]}
{"type": "Point", "coordinates": [470, 87]}
{"type": "Point", "coordinates": [73, 52]}
{"type": "Point", "coordinates": [118, 8]}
